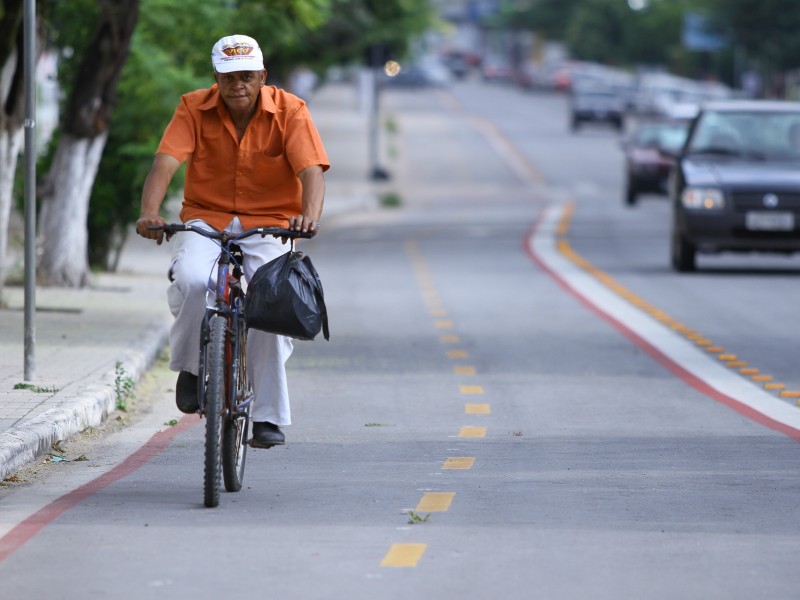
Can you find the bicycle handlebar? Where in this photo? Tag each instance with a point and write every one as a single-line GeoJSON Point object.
{"type": "Point", "coordinates": [218, 235]}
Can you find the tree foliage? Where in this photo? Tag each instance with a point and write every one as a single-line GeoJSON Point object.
{"type": "Point", "coordinates": [171, 55]}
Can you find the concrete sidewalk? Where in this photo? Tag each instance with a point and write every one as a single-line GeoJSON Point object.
{"type": "Point", "coordinates": [91, 341]}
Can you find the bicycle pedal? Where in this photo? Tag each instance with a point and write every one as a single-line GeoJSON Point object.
{"type": "Point", "coordinates": [254, 444]}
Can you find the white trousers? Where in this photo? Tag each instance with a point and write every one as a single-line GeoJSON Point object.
{"type": "Point", "coordinates": [194, 262]}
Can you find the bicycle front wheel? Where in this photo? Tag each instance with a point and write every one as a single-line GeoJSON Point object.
{"type": "Point", "coordinates": [215, 407]}
{"type": "Point", "coordinates": [234, 435]}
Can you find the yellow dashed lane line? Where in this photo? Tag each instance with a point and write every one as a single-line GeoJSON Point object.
{"type": "Point", "coordinates": [459, 462]}
{"type": "Point", "coordinates": [731, 360]}
{"type": "Point", "coordinates": [435, 502]}
{"type": "Point", "coordinates": [404, 555]}
{"type": "Point", "coordinates": [471, 390]}
{"type": "Point", "coordinates": [470, 431]}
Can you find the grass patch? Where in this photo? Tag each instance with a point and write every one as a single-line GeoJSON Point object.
{"type": "Point", "coordinates": [35, 388]}
{"type": "Point", "coordinates": [390, 200]}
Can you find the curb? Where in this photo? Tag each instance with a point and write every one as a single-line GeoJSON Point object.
{"type": "Point", "coordinates": [91, 405]}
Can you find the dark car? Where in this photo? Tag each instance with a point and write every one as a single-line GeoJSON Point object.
{"type": "Point", "coordinates": [595, 105]}
{"type": "Point", "coordinates": [649, 156]}
{"type": "Point", "coordinates": [736, 184]}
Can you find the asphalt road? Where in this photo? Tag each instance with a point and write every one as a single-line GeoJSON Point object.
{"type": "Point", "coordinates": [545, 452]}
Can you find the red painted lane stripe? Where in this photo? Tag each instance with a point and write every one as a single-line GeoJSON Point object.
{"type": "Point", "coordinates": [672, 366]}
{"type": "Point", "coordinates": [17, 537]}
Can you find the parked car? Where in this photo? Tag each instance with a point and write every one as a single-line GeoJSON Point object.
{"type": "Point", "coordinates": [595, 105]}
{"type": "Point", "coordinates": [736, 183]}
{"type": "Point", "coordinates": [649, 156]}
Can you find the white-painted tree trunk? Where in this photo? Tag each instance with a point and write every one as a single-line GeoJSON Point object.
{"type": "Point", "coordinates": [10, 144]}
{"type": "Point", "coordinates": [63, 236]}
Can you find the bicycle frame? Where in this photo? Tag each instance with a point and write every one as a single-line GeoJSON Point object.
{"type": "Point", "coordinates": [223, 342]}
{"type": "Point", "coordinates": [229, 303]}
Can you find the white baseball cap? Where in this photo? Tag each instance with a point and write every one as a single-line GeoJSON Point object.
{"type": "Point", "coordinates": [237, 53]}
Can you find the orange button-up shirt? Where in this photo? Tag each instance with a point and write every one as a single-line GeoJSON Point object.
{"type": "Point", "coordinates": [254, 179]}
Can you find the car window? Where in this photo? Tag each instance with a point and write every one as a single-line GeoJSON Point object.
{"type": "Point", "coordinates": [669, 136]}
{"type": "Point", "coordinates": [767, 134]}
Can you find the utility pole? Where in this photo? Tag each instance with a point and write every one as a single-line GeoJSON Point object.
{"type": "Point", "coordinates": [29, 55]}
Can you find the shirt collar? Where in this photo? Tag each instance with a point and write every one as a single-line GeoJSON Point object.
{"type": "Point", "coordinates": [267, 103]}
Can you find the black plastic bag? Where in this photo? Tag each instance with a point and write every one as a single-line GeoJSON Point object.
{"type": "Point", "coordinates": [285, 297]}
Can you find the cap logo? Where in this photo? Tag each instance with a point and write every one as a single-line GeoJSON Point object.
{"type": "Point", "coordinates": [770, 201]}
{"type": "Point", "coordinates": [237, 50]}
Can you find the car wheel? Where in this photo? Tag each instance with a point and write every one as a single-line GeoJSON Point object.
{"type": "Point", "coordinates": [684, 254]}
{"type": "Point", "coordinates": [630, 194]}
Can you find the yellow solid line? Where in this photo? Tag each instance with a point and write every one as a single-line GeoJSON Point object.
{"type": "Point", "coordinates": [457, 353]}
{"type": "Point", "coordinates": [435, 502]}
{"type": "Point", "coordinates": [449, 339]}
{"type": "Point", "coordinates": [444, 325]}
{"type": "Point", "coordinates": [464, 370]}
{"type": "Point", "coordinates": [472, 432]}
{"type": "Point", "coordinates": [477, 409]}
{"type": "Point", "coordinates": [404, 555]}
{"type": "Point", "coordinates": [471, 390]}
{"type": "Point", "coordinates": [459, 462]}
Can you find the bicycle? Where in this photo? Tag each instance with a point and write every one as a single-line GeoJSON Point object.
{"type": "Point", "coordinates": [225, 393]}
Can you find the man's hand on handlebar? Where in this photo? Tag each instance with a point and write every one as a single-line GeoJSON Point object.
{"type": "Point", "coordinates": [304, 224]}
{"type": "Point", "coordinates": [143, 225]}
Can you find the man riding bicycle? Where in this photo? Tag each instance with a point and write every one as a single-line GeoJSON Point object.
{"type": "Point", "coordinates": [255, 159]}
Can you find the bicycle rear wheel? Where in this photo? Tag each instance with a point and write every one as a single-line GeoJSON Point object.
{"type": "Point", "coordinates": [215, 407]}
{"type": "Point", "coordinates": [234, 435]}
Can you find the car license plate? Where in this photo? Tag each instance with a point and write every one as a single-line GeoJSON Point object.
{"type": "Point", "coordinates": [769, 220]}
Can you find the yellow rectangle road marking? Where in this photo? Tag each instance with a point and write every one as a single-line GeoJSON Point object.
{"type": "Point", "coordinates": [444, 325]}
{"type": "Point", "coordinates": [736, 363]}
{"type": "Point", "coordinates": [727, 357]}
{"type": "Point", "coordinates": [774, 386]}
{"type": "Point", "coordinates": [464, 370]}
{"type": "Point", "coordinates": [435, 502]}
{"type": "Point", "coordinates": [404, 555]}
{"type": "Point", "coordinates": [438, 312]}
{"type": "Point", "coordinates": [457, 353]}
{"type": "Point", "coordinates": [472, 432]}
{"type": "Point", "coordinates": [790, 394]}
{"type": "Point", "coordinates": [471, 390]}
{"type": "Point", "coordinates": [449, 339]}
{"type": "Point", "coordinates": [748, 371]}
{"type": "Point", "coordinates": [477, 409]}
{"type": "Point", "coordinates": [459, 462]}
{"type": "Point", "coordinates": [762, 377]}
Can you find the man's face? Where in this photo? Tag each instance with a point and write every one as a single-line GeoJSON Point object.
{"type": "Point", "coordinates": [239, 90]}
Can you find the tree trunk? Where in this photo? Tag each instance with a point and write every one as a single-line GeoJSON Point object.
{"type": "Point", "coordinates": [10, 145]}
{"type": "Point", "coordinates": [12, 95]}
{"type": "Point", "coordinates": [63, 220]}
{"type": "Point", "coordinates": [68, 185]}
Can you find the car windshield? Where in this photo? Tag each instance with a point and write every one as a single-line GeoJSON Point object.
{"type": "Point", "coordinates": [667, 136]}
{"type": "Point", "coordinates": [758, 134]}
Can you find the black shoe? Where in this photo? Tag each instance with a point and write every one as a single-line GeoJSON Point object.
{"type": "Point", "coordinates": [266, 435]}
{"type": "Point", "coordinates": [186, 392]}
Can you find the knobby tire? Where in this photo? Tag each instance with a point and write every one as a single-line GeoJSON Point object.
{"type": "Point", "coordinates": [215, 407]}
